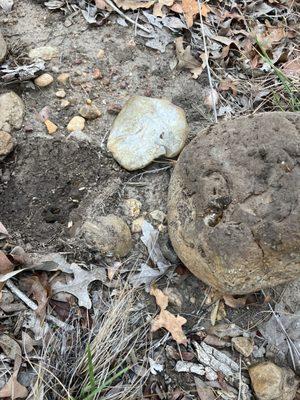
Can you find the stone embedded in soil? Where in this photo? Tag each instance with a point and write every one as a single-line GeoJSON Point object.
{"type": "Point", "coordinates": [145, 129]}
{"type": "Point", "coordinates": [89, 111]}
{"type": "Point", "coordinates": [271, 382]}
{"type": "Point", "coordinates": [243, 345]}
{"type": "Point", "coordinates": [76, 124]}
{"type": "Point", "coordinates": [12, 111]}
{"type": "Point", "coordinates": [51, 127]}
{"type": "Point", "coordinates": [6, 143]}
{"type": "Point", "coordinates": [43, 80]}
{"type": "Point", "coordinates": [158, 215]}
{"type": "Point", "coordinates": [137, 224]}
{"type": "Point", "coordinates": [132, 207]}
{"type": "Point", "coordinates": [3, 48]}
{"type": "Point", "coordinates": [60, 94]}
{"type": "Point", "coordinates": [63, 78]}
{"type": "Point", "coordinates": [110, 235]}
{"type": "Point", "coordinates": [233, 209]}
{"type": "Point", "coordinates": [44, 52]}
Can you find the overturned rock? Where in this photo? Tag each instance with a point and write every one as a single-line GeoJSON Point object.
{"type": "Point", "coordinates": [3, 48]}
{"type": "Point", "coordinates": [271, 382]}
{"type": "Point", "coordinates": [110, 235]}
{"type": "Point", "coordinates": [12, 111]}
{"type": "Point", "coordinates": [233, 209]}
{"type": "Point", "coordinates": [146, 129]}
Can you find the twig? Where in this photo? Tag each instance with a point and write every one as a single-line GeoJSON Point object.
{"type": "Point", "coordinates": [207, 62]}
{"type": "Point", "coordinates": [33, 306]}
{"type": "Point", "coordinates": [115, 8]}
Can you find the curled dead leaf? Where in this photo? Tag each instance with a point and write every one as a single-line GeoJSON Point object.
{"type": "Point", "coordinates": [187, 61]}
{"type": "Point", "coordinates": [157, 9]}
{"type": "Point", "coordinates": [134, 5]}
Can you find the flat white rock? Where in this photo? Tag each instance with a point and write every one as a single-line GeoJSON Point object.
{"type": "Point", "coordinates": [12, 111]}
{"type": "Point", "coordinates": [145, 129]}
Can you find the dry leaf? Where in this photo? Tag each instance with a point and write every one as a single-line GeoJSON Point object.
{"type": "Point", "coordinates": [38, 286]}
{"type": "Point", "coordinates": [228, 84]}
{"type": "Point", "coordinates": [187, 61]}
{"type": "Point", "coordinates": [234, 302]}
{"type": "Point", "coordinates": [13, 389]}
{"type": "Point", "coordinates": [6, 266]}
{"type": "Point", "coordinates": [157, 9]}
{"type": "Point", "coordinates": [78, 287]}
{"type": "Point", "coordinates": [190, 10]}
{"type": "Point", "coordinates": [101, 4]}
{"type": "Point", "coordinates": [165, 319]}
{"type": "Point", "coordinates": [177, 8]}
{"type": "Point", "coordinates": [211, 99]}
{"type": "Point", "coordinates": [3, 231]}
{"type": "Point", "coordinates": [292, 68]}
{"type": "Point", "coordinates": [204, 391]}
{"type": "Point", "coordinates": [134, 5]}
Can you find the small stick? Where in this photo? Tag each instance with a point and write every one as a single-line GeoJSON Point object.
{"type": "Point", "coordinates": [115, 8]}
{"type": "Point", "coordinates": [33, 306]}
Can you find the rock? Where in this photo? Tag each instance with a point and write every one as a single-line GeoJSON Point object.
{"type": "Point", "coordinates": [110, 236]}
{"type": "Point", "coordinates": [158, 215]}
{"type": "Point", "coordinates": [146, 129]}
{"type": "Point", "coordinates": [243, 345]}
{"type": "Point", "coordinates": [271, 382]}
{"type": "Point", "coordinates": [76, 124]}
{"type": "Point", "coordinates": [137, 224]}
{"type": "Point", "coordinates": [43, 80]}
{"type": "Point", "coordinates": [6, 143]}
{"type": "Point", "coordinates": [63, 78]}
{"type": "Point", "coordinates": [60, 94]}
{"type": "Point", "coordinates": [132, 207]}
{"type": "Point", "coordinates": [100, 54]}
{"type": "Point", "coordinates": [44, 52]}
{"type": "Point", "coordinates": [64, 103]}
{"type": "Point", "coordinates": [3, 48]}
{"type": "Point", "coordinates": [12, 111]}
{"type": "Point", "coordinates": [89, 112]}
{"type": "Point", "coordinates": [233, 213]}
{"type": "Point", "coordinates": [51, 127]}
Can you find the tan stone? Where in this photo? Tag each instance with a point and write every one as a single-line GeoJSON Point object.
{"type": "Point", "coordinates": [63, 78]}
{"type": "Point", "coordinates": [3, 48]}
{"type": "Point", "coordinates": [60, 94]}
{"type": "Point", "coordinates": [271, 382]}
{"type": "Point", "coordinates": [51, 127]}
{"type": "Point", "coordinates": [137, 224]}
{"type": "Point", "coordinates": [44, 52]}
{"type": "Point", "coordinates": [44, 80]}
{"type": "Point", "coordinates": [12, 111]}
{"type": "Point", "coordinates": [243, 345]}
{"type": "Point", "coordinates": [89, 111]}
{"type": "Point", "coordinates": [132, 207]}
{"type": "Point", "coordinates": [64, 103]}
{"type": "Point", "coordinates": [76, 124]}
{"type": "Point", "coordinates": [6, 143]}
{"type": "Point", "coordinates": [100, 54]}
{"type": "Point", "coordinates": [158, 215]}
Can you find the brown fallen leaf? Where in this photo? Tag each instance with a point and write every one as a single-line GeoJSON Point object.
{"type": "Point", "coordinates": [211, 99]}
{"type": "Point", "coordinates": [6, 266]}
{"type": "Point", "coordinates": [190, 10]}
{"type": "Point", "coordinates": [157, 9]}
{"type": "Point", "coordinates": [13, 389]}
{"type": "Point", "coordinates": [38, 286]}
{"type": "Point", "coordinates": [187, 61]}
{"type": "Point", "coordinates": [234, 302]}
{"type": "Point", "coordinates": [204, 391]}
{"type": "Point", "coordinates": [292, 67]}
{"type": "Point", "coordinates": [134, 5]}
{"type": "Point", "coordinates": [226, 85]}
{"type": "Point", "coordinates": [167, 320]}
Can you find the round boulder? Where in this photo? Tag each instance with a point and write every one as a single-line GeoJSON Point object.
{"type": "Point", "coordinates": [110, 235]}
{"type": "Point", "coordinates": [233, 207]}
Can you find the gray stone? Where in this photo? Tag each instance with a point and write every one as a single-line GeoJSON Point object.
{"type": "Point", "coordinates": [233, 209]}
{"type": "Point", "coordinates": [12, 111]}
{"type": "Point", "coordinates": [3, 48]}
{"type": "Point", "coordinates": [110, 235]}
{"type": "Point", "coordinates": [145, 129]}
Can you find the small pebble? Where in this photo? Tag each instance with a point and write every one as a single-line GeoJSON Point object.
{"type": "Point", "coordinates": [51, 127]}
{"type": "Point", "coordinates": [97, 73]}
{"type": "Point", "coordinates": [6, 143]}
{"type": "Point", "coordinates": [133, 207]}
{"type": "Point", "coordinates": [63, 78]}
{"type": "Point", "coordinates": [89, 112]}
{"type": "Point", "coordinates": [64, 103]}
{"type": "Point", "coordinates": [43, 80]}
{"type": "Point", "coordinates": [137, 224]}
{"type": "Point", "coordinates": [243, 345]}
{"type": "Point", "coordinates": [60, 94]}
{"type": "Point", "coordinates": [100, 54]}
{"type": "Point", "coordinates": [114, 108]}
{"type": "Point", "coordinates": [76, 124]}
{"type": "Point", "coordinates": [158, 215]}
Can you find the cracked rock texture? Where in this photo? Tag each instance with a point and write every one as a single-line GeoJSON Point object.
{"type": "Point", "coordinates": [233, 208]}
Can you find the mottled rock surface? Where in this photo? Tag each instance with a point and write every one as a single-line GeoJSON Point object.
{"type": "Point", "coordinates": [11, 111]}
{"type": "Point", "coordinates": [145, 129]}
{"type": "Point", "coordinates": [3, 48]}
{"type": "Point", "coordinates": [233, 208]}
